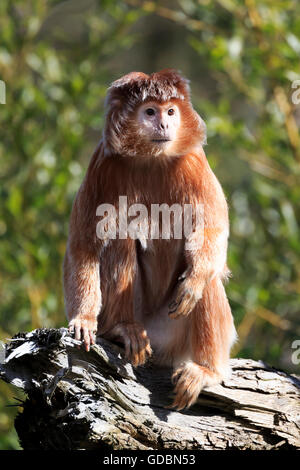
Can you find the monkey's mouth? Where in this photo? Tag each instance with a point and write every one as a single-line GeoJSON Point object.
{"type": "Point", "coordinates": [161, 141]}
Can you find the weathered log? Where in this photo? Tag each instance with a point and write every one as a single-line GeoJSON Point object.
{"type": "Point", "coordinates": [96, 400]}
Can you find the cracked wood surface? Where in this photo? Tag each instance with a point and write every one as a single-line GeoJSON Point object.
{"type": "Point", "coordinates": [96, 400]}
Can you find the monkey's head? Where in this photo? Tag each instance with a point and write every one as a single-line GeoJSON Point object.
{"type": "Point", "coordinates": [151, 115]}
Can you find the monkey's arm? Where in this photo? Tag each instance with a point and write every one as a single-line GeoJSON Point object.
{"type": "Point", "coordinates": [205, 249]}
{"type": "Point", "coordinates": [81, 273]}
{"type": "Point", "coordinates": [82, 293]}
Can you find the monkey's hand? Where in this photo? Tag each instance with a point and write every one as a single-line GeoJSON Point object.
{"type": "Point", "coordinates": [85, 330]}
{"type": "Point", "coordinates": [135, 340]}
{"type": "Point", "coordinates": [189, 291]}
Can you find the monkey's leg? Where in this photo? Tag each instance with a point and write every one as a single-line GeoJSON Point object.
{"type": "Point", "coordinates": [117, 320]}
{"type": "Point", "coordinates": [211, 337]}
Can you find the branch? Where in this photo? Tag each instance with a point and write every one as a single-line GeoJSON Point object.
{"type": "Point", "coordinates": [80, 400]}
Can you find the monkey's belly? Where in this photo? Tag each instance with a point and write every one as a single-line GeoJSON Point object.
{"type": "Point", "coordinates": [158, 269]}
{"type": "Point", "coordinates": [169, 338]}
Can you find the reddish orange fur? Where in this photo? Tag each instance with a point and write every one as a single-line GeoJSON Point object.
{"type": "Point", "coordinates": [123, 290]}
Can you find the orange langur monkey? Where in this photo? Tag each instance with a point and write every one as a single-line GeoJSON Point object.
{"type": "Point", "coordinates": [158, 294]}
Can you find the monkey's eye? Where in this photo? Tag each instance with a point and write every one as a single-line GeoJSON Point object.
{"type": "Point", "coordinates": [150, 111]}
{"type": "Point", "coordinates": [171, 112]}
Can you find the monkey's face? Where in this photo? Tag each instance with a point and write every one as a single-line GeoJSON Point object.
{"type": "Point", "coordinates": [158, 125]}
{"type": "Point", "coordinates": [151, 116]}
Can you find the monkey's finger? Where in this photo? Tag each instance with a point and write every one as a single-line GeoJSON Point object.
{"type": "Point", "coordinates": [86, 338]}
{"type": "Point", "coordinates": [180, 386]}
{"type": "Point", "coordinates": [191, 394]}
{"type": "Point", "coordinates": [71, 329]}
{"type": "Point", "coordinates": [78, 334]}
{"type": "Point", "coordinates": [126, 342]}
{"type": "Point", "coordinates": [176, 376]}
{"type": "Point", "coordinates": [176, 314]}
{"type": "Point", "coordinates": [173, 315]}
{"type": "Point", "coordinates": [92, 337]}
{"type": "Point", "coordinates": [184, 386]}
{"type": "Point", "coordinates": [187, 389]}
{"type": "Point", "coordinates": [134, 351]}
{"type": "Point", "coordinates": [178, 405]}
{"type": "Point", "coordinates": [141, 357]}
{"type": "Point", "coordinates": [140, 352]}
{"type": "Point", "coordinates": [169, 407]}
{"type": "Point", "coordinates": [173, 306]}
{"type": "Point", "coordinates": [180, 400]}
{"type": "Point", "coordinates": [148, 349]}
{"type": "Point", "coordinates": [185, 306]}
{"type": "Point", "coordinates": [146, 344]}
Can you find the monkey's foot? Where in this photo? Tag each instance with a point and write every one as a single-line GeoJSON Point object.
{"type": "Point", "coordinates": [185, 301]}
{"type": "Point", "coordinates": [85, 330]}
{"type": "Point", "coordinates": [190, 379]}
{"type": "Point", "coordinates": [135, 340]}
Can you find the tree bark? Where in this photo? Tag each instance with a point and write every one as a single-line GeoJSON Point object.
{"type": "Point", "coordinates": [96, 400]}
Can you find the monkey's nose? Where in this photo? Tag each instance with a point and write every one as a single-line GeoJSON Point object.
{"type": "Point", "coordinates": [163, 126]}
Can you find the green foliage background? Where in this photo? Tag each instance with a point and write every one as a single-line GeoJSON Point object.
{"type": "Point", "coordinates": [57, 59]}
